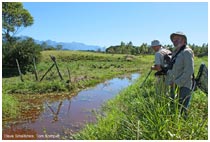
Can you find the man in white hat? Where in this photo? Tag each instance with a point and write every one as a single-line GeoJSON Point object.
{"type": "Point", "coordinates": [159, 55]}
{"type": "Point", "coordinates": [160, 52]}
{"type": "Point", "coordinates": [182, 69]}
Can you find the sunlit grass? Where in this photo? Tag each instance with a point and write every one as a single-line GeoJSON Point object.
{"type": "Point", "coordinates": [9, 107]}
{"type": "Point", "coordinates": [86, 69]}
{"type": "Point", "coordinates": [134, 114]}
{"type": "Point", "coordinates": [141, 114]}
{"type": "Point", "coordinates": [79, 69]}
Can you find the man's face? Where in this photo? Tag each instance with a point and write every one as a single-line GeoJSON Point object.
{"type": "Point", "coordinates": [155, 48]}
{"type": "Point", "coordinates": [178, 41]}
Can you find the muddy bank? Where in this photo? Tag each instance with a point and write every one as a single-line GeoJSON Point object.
{"type": "Point", "coordinates": [55, 117]}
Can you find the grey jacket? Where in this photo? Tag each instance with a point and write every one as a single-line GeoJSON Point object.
{"type": "Point", "coordinates": [159, 56]}
{"type": "Point", "coordinates": [183, 68]}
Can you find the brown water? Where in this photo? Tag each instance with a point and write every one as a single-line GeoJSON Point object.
{"type": "Point", "coordinates": [59, 119]}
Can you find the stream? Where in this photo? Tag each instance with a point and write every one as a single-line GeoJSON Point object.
{"type": "Point", "coordinates": [62, 118]}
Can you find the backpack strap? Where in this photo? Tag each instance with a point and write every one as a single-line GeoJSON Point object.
{"type": "Point", "coordinates": [193, 87]}
{"type": "Point", "coordinates": [173, 59]}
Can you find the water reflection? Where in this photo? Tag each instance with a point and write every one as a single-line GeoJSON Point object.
{"type": "Point", "coordinates": [55, 114]}
{"type": "Point", "coordinates": [74, 113]}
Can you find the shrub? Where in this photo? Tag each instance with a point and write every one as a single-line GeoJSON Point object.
{"type": "Point", "coordinates": [9, 106]}
{"type": "Point", "coordinates": [24, 51]}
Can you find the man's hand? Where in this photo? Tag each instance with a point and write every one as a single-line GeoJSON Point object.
{"type": "Point", "coordinates": [152, 67]}
{"type": "Point", "coordinates": [156, 67]}
{"type": "Point", "coordinates": [171, 84]}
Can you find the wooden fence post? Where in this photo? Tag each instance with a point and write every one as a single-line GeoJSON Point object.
{"type": "Point", "coordinates": [21, 78]}
{"type": "Point", "coordinates": [35, 71]}
{"type": "Point", "coordinates": [47, 72]}
{"type": "Point", "coordinates": [53, 59]}
{"type": "Point", "coordinates": [69, 75]}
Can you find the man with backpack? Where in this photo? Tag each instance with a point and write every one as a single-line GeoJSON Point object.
{"type": "Point", "coordinates": [181, 69]}
{"type": "Point", "coordinates": [160, 52]}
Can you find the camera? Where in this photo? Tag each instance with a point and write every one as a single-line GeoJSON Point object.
{"type": "Point", "coordinates": [165, 68]}
{"type": "Point", "coordinates": [168, 65]}
{"type": "Point", "coordinates": [168, 62]}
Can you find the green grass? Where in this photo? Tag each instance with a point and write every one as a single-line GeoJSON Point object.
{"type": "Point", "coordinates": [9, 107]}
{"type": "Point", "coordinates": [140, 114]}
{"type": "Point", "coordinates": [86, 69]}
{"type": "Point", "coordinates": [134, 114]}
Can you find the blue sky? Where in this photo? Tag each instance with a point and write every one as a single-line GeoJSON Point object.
{"type": "Point", "coordinates": [109, 23]}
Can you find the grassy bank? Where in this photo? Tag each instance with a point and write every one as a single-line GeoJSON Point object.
{"type": "Point", "coordinates": [9, 106]}
{"type": "Point", "coordinates": [134, 114]}
{"type": "Point", "coordinates": [85, 69]}
{"type": "Point", "coordinates": [78, 69]}
{"type": "Point", "coordinates": [141, 114]}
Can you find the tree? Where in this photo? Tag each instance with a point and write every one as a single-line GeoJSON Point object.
{"type": "Point", "coordinates": [59, 47]}
{"type": "Point", "coordinates": [24, 51]}
{"type": "Point", "coordinates": [122, 47]}
{"type": "Point", "coordinates": [111, 49]}
{"type": "Point", "coordinates": [129, 48]}
{"type": "Point", "coordinates": [44, 45]}
{"type": "Point", "coordinates": [14, 17]}
{"type": "Point", "coordinates": [144, 49]}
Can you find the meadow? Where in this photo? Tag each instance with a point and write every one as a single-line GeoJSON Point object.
{"type": "Point", "coordinates": [141, 114]}
{"type": "Point", "coordinates": [79, 71]}
{"type": "Point", "coordinates": [134, 114]}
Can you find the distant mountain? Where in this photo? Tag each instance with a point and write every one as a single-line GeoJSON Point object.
{"type": "Point", "coordinates": [69, 45]}
{"type": "Point", "coordinates": [72, 45]}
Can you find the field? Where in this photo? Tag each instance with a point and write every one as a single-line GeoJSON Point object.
{"type": "Point", "coordinates": [79, 71]}
{"type": "Point", "coordinates": [141, 114]}
{"type": "Point", "coordinates": [134, 114]}
{"type": "Point", "coordinates": [85, 69]}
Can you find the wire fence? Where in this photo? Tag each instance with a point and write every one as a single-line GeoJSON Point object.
{"type": "Point", "coordinates": [9, 70]}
